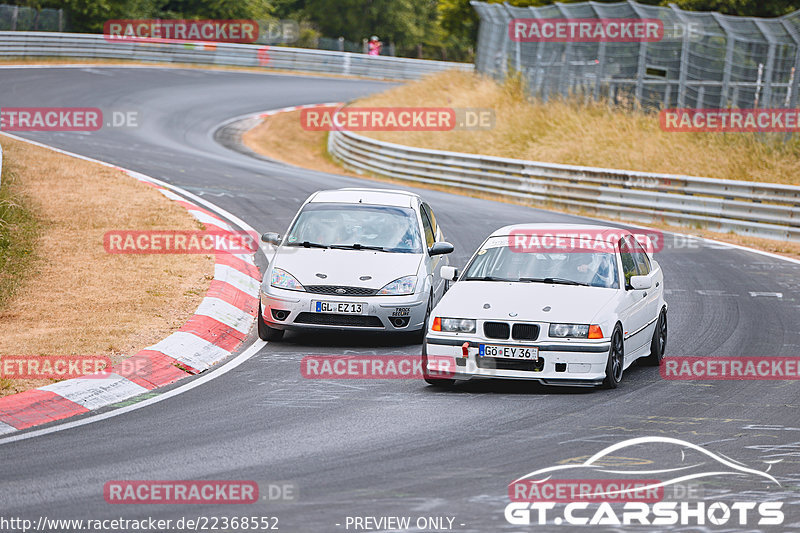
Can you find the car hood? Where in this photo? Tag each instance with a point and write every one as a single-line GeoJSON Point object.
{"type": "Point", "coordinates": [345, 267]}
{"type": "Point", "coordinates": [567, 303]}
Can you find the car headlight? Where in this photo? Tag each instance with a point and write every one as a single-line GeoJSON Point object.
{"type": "Point", "coordinates": [454, 325]}
{"type": "Point", "coordinates": [577, 331]}
{"type": "Point", "coordinates": [284, 280]}
{"type": "Point", "coordinates": [400, 287]}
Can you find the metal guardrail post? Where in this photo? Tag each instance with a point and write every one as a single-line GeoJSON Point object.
{"type": "Point", "coordinates": [794, 86]}
{"type": "Point", "coordinates": [769, 66]}
{"type": "Point", "coordinates": [684, 58]}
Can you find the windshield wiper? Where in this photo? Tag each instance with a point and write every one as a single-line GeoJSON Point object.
{"type": "Point", "coordinates": [307, 244]}
{"type": "Point", "coordinates": [560, 281]}
{"type": "Point", "coordinates": [488, 278]}
{"type": "Point", "coordinates": [357, 246]}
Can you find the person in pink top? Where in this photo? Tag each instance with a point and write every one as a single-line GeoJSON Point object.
{"type": "Point", "coordinates": [374, 46]}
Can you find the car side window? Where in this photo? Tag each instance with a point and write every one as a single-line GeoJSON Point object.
{"type": "Point", "coordinates": [430, 236]}
{"type": "Point", "coordinates": [431, 217]}
{"type": "Point", "coordinates": [640, 256]}
{"type": "Point", "coordinates": [628, 262]}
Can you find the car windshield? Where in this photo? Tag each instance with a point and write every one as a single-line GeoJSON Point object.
{"type": "Point", "coordinates": [496, 261]}
{"type": "Point", "coordinates": [356, 226]}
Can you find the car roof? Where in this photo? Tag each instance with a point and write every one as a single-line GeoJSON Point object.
{"type": "Point", "coordinates": [390, 197]}
{"type": "Point", "coordinates": [599, 232]}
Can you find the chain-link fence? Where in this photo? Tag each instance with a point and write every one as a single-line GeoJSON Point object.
{"type": "Point", "coordinates": [701, 60]}
{"type": "Point", "coordinates": [23, 18]}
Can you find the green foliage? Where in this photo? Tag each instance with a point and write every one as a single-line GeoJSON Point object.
{"type": "Point", "coordinates": [436, 28]}
{"type": "Point", "coordinates": [403, 22]}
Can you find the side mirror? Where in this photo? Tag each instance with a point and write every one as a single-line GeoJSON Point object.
{"type": "Point", "coordinates": [450, 273]}
{"type": "Point", "coordinates": [641, 282]}
{"type": "Point", "coordinates": [272, 238]}
{"type": "Point", "coordinates": [440, 248]}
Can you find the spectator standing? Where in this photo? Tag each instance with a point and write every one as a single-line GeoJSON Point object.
{"type": "Point", "coordinates": [374, 46]}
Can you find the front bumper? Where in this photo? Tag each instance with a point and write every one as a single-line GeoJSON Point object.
{"type": "Point", "coordinates": [561, 363]}
{"type": "Point", "coordinates": [284, 309]}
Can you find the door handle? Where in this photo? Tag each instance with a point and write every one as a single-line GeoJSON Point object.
{"type": "Point", "coordinates": [644, 294]}
{"type": "Point", "coordinates": [658, 283]}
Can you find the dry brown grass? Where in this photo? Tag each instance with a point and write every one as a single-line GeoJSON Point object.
{"type": "Point", "coordinates": [77, 299]}
{"type": "Point", "coordinates": [592, 135]}
{"type": "Point", "coordinates": [281, 137]}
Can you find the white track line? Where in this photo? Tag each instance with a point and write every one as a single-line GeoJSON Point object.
{"type": "Point", "coordinates": [204, 378]}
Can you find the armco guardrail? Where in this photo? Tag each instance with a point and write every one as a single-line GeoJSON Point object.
{"type": "Point", "coordinates": [759, 209]}
{"type": "Point", "coordinates": [46, 44]}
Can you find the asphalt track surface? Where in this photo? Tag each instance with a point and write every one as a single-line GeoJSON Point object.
{"type": "Point", "coordinates": [399, 447]}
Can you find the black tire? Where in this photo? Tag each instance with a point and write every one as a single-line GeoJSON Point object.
{"type": "Point", "coordinates": [659, 343]}
{"type": "Point", "coordinates": [266, 333]}
{"type": "Point", "coordinates": [423, 331]}
{"type": "Point", "coordinates": [429, 379]}
{"type": "Point", "coordinates": [616, 360]}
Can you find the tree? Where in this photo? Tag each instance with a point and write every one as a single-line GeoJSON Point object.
{"type": "Point", "coordinates": [404, 22]}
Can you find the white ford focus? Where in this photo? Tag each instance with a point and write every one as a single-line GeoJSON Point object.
{"type": "Point", "coordinates": [354, 259]}
{"type": "Point", "coordinates": [564, 305]}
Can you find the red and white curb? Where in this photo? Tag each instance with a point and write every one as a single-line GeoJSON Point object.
{"type": "Point", "coordinates": [271, 112]}
{"type": "Point", "coordinates": [219, 326]}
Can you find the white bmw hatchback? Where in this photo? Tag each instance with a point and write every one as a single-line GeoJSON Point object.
{"type": "Point", "coordinates": [354, 259]}
{"type": "Point", "coordinates": [564, 305]}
